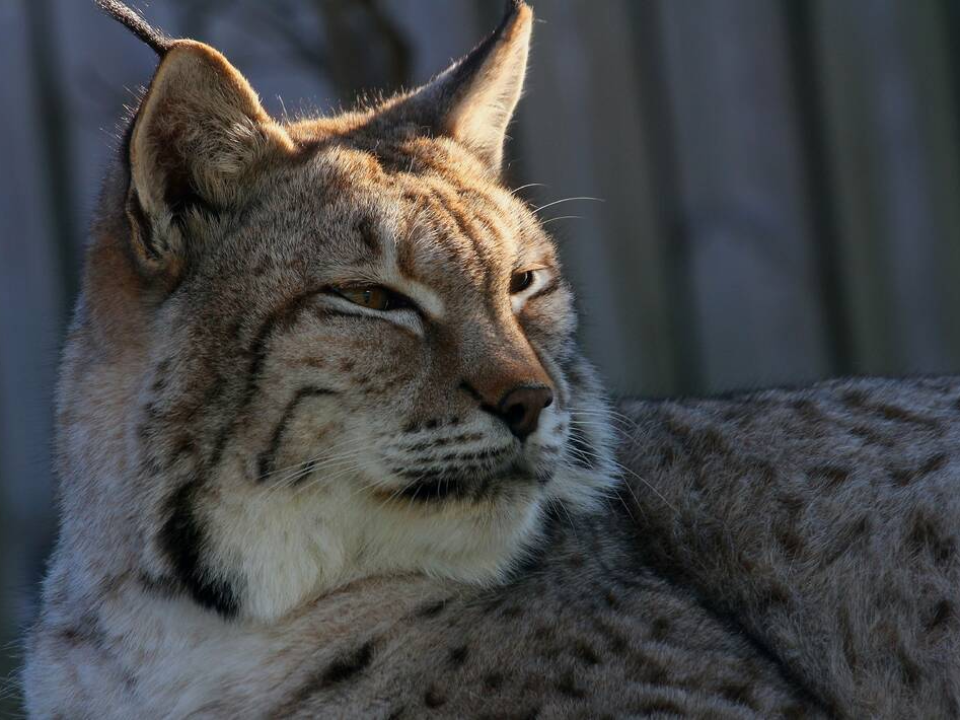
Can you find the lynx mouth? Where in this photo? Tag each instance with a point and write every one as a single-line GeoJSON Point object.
{"type": "Point", "coordinates": [451, 485]}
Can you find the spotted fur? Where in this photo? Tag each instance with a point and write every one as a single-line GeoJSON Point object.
{"type": "Point", "coordinates": [278, 503]}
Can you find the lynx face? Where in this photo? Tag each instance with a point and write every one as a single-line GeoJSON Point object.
{"type": "Point", "coordinates": [336, 348]}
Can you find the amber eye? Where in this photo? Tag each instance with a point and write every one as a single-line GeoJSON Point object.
{"type": "Point", "coordinates": [375, 297]}
{"type": "Point", "coordinates": [521, 281]}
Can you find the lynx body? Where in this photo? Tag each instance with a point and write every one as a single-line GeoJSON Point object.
{"type": "Point", "coordinates": [328, 447]}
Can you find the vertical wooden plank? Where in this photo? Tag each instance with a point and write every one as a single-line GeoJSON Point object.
{"type": "Point", "coordinates": [849, 136]}
{"type": "Point", "coordinates": [742, 194]}
{"type": "Point", "coordinates": [931, 27]}
{"type": "Point", "coordinates": [819, 183]}
{"type": "Point", "coordinates": [31, 305]}
{"type": "Point", "coordinates": [582, 68]}
{"type": "Point", "coordinates": [887, 184]}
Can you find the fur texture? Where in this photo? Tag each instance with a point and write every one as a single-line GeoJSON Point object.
{"type": "Point", "coordinates": [297, 479]}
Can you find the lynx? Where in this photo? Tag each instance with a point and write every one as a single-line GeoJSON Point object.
{"type": "Point", "coordinates": [328, 448]}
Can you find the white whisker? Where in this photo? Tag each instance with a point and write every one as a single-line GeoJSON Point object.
{"type": "Point", "coordinates": [569, 199]}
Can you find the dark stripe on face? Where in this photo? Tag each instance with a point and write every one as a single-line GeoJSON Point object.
{"type": "Point", "coordinates": [436, 484]}
{"type": "Point", "coordinates": [182, 539]}
{"type": "Point", "coordinates": [434, 488]}
{"type": "Point", "coordinates": [267, 459]}
{"type": "Point", "coordinates": [369, 237]}
{"type": "Point", "coordinates": [282, 318]}
{"type": "Point", "coordinates": [467, 226]}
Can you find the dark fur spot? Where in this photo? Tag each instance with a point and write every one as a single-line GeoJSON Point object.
{"type": "Point", "coordinates": [737, 693]}
{"type": "Point", "coordinates": [667, 458]}
{"type": "Point", "coordinates": [649, 707]}
{"type": "Point", "coordinates": [848, 638]}
{"type": "Point", "coordinates": [847, 538]}
{"type": "Point", "coordinates": [653, 673]}
{"type": "Point", "coordinates": [794, 712]}
{"type": "Point", "coordinates": [567, 685]}
{"type": "Point", "coordinates": [942, 612]}
{"type": "Point", "coordinates": [585, 654]}
{"type": "Point", "coordinates": [616, 641]}
{"type": "Point", "coordinates": [933, 464]}
{"type": "Point", "coordinates": [711, 442]}
{"type": "Point", "coordinates": [909, 669]}
{"type": "Point", "coordinates": [494, 604]}
{"type": "Point", "coordinates": [347, 666]}
{"type": "Point", "coordinates": [898, 414]}
{"type": "Point", "coordinates": [611, 599]}
{"type": "Point", "coordinates": [871, 436]}
{"type": "Point", "coordinates": [773, 596]}
{"type": "Point", "coordinates": [808, 410]}
{"type": "Point", "coordinates": [925, 536]}
{"type": "Point", "coordinates": [831, 474]}
{"type": "Point", "coordinates": [513, 611]}
{"type": "Point", "coordinates": [660, 628]}
{"type": "Point", "coordinates": [791, 542]}
{"type": "Point", "coordinates": [458, 655]}
{"type": "Point", "coordinates": [854, 399]}
{"type": "Point", "coordinates": [902, 477]}
{"type": "Point", "coordinates": [493, 681]}
{"type": "Point", "coordinates": [431, 610]}
{"type": "Point", "coordinates": [433, 698]}
{"type": "Point", "coordinates": [543, 633]}
{"type": "Point", "coordinates": [162, 586]}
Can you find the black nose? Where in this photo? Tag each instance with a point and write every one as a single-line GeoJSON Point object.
{"type": "Point", "coordinates": [520, 408]}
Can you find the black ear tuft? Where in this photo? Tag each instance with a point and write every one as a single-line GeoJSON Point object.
{"type": "Point", "coordinates": [136, 24]}
{"type": "Point", "coordinates": [512, 7]}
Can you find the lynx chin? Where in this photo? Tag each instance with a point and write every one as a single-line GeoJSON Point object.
{"type": "Point", "coordinates": [328, 447]}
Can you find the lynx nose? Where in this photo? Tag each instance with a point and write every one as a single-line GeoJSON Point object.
{"type": "Point", "coordinates": [520, 408]}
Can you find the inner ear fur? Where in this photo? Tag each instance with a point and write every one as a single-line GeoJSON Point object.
{"type": "Point", "coordinates": [199, 132]}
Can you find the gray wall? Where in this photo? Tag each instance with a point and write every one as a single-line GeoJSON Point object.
{"type": "Point", "coordinates": [780, 182]}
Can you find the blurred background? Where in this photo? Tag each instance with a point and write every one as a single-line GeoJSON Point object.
{"type": "Point", "coordinates": [779, 183]}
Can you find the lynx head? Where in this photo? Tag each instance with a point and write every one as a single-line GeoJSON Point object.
{"type": "Point", "coordinates": [313, 351]}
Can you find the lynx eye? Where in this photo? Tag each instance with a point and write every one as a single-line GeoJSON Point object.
{"type": "Point", "coordinates": [375, 297]}
{"type": "Point", "coordinates": [520, 281]}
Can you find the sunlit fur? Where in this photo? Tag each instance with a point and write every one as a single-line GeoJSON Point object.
{"type": "Point", "coordinates": [237, 438]}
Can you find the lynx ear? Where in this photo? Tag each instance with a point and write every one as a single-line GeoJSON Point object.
{"type": "Point", "coordinates": [473, 101]}
{"type": "Point", "coordinates": [199, 130]}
